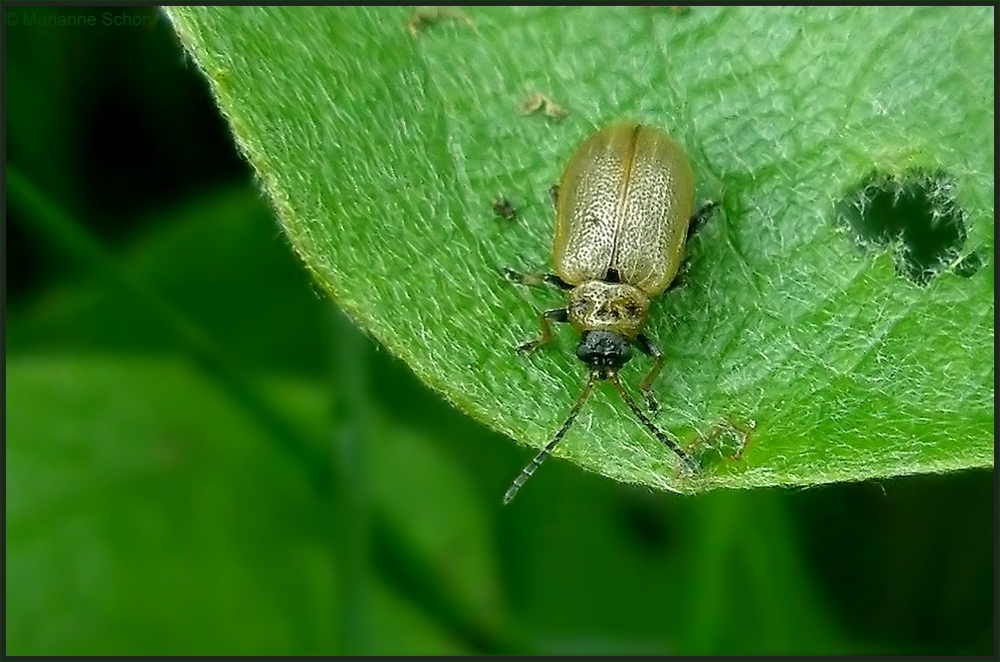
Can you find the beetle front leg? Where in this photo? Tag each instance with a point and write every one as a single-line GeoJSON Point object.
{"type": "Point", "coordinates": [649, 349]}
{"type": "Point", "coordinates": [556, 315]}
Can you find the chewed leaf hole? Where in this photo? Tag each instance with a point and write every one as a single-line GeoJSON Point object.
{"type": "Point", "coordinates": [917, 217]}
{"type": "Point", "coordinates": [724, 441]}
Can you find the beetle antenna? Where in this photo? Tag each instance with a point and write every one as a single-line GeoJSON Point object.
{"type": "Point", "coordinates": [530, 469]}
{"type": "Point", "coordinates": [670, 443]}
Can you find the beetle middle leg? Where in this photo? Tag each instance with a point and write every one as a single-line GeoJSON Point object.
{"type": "Point", "coordinates": [535, 280]}
{"type": "Point", "coordinates": [698, 220]}
{"type": "Point", "coordinates": [646, 385]}
{"type": "Point", "coordinates": [556, 315]}
{"type": "Point", "coordinates": [700, 217]}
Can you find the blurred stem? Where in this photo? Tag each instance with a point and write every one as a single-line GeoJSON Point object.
{"type": "Point", "coordinates": [707, 607]}
{"type": "Point", "coordinates": [772, 552]}
{"type": "Point", "coordinates": [351, 432]}
{"type": "Point", "coordinates": [365, 534]}
{"type": "Point", "coordinates": [60, 227]}
{"type": "Point", "coordinates": [747, 541]}
{"type": "Point", "coordinates": [416, 577]}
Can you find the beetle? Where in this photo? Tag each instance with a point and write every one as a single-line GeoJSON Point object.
{"type": "Point", "coordinates": [623, 215]}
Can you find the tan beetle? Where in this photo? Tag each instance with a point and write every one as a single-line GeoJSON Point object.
{"type": "Point", "coordinates": [623, 215]}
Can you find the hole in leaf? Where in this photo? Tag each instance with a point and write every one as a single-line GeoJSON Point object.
{"type": "Point", "coordinates": [916, 216]}
{"type": "Point", "coordinates": [724, 441]}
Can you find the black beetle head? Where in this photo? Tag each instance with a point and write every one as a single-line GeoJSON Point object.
{"type": "Point", "coordinates": [605, 351]}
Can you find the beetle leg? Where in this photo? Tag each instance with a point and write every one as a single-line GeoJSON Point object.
{"type": "Point", "coordinates": [553, 279]}
{"type": "Point", "coordinates": [700, 216]}
{"type": "Point", "coordinates": [679, 281]}
{"type": "Point", "coordinates": [649, 349]}
{"type": "Point", "coordinates": [535, 280]}
{"type": "Point", "coordinates": [554, 194]}
{"type": "Point", "coordinates": [698, 219]}
{"type": "Point", "coordinates": [556, 315]}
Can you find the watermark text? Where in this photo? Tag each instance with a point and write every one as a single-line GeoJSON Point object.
{"type": "Point", "coordinates": [112, 19]}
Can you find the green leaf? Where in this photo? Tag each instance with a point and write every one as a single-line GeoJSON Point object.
{"type": "Point", "coordinates": [381, 153]}
{"type": "Point", "coordinates": [152, 514]}
{"type": "Point", "coordinates": [150, 507]}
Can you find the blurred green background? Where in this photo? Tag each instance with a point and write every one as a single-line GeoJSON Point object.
{"type": "Point", "coordinates": [205, 457]}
